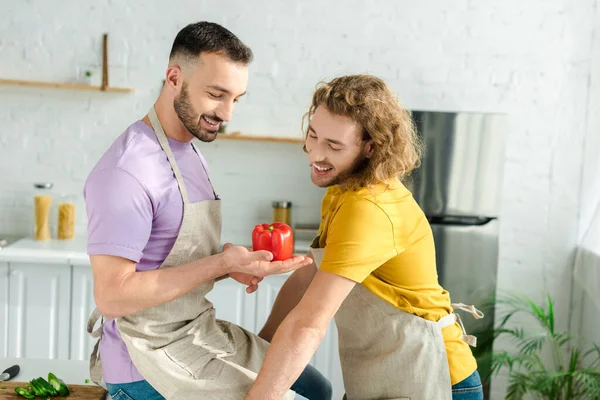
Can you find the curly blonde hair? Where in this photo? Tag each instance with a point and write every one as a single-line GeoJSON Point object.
{"type": "Point", "coordinates": [369, 102]}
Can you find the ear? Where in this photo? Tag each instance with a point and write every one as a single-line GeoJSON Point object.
{"type": "Point", "coordinates": [174, 78]}
{"type": "Point", "coordinates": [369, 148]}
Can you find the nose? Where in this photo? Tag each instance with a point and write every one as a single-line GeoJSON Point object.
{"type": "Point", "coordinates": [315, 154]}
{"type": "Point", "coordinates": [225, 110]}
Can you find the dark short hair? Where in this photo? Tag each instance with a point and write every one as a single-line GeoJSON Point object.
{"type": "Point", "coordinates": [210, 37]}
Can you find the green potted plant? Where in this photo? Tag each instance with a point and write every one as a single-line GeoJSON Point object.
{"type": "Point", "coordinates": [567, 373]}
{"type": "Point", "coordinates": [87, 77]}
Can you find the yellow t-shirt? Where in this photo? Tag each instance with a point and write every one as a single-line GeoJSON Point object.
{"type": "Point", "coordinates": [381, 238]}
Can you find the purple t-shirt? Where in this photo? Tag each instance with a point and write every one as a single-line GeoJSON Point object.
{"type": "Point", "coordinates": [134, 211]}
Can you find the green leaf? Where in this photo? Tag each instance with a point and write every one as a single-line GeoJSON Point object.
{"type": "Point", "coordinates": [533, 343]}
{"type": "Point", "coordinates": [549, 383]}
{"type": "Point", "coordinates": [595, 350]}
{"type": "Point", "coordinates": [505, 320]}
{"type": "Point", "coordinates": [550, 316]}
{"type": "Point", "coordinates": [573, 364]}
{"type": "Point", "coordinates": [588, 383]}
{"type": "Point", "coordinates": [517, 334]}
{"type": "Point", "coordinates": [561, 338]}
{"type": "Point", "coordinates": [574, 359]}
{"type": "Point", "coordinates": [517, 387]}
{"type": "Point", "coordinates": [540, 314]}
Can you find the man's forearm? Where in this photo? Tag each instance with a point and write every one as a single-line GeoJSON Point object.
{"type": "Point", "coordinates": [140, 290]}
{"type": "Point", "coordinates": [288, 297]}
{"type": "Point", "coordinates": [299, 335]}
{"type": "Point", "coordinates": [293, 346]}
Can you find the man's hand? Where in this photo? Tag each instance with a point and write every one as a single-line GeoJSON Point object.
{"type": "Point", "coordinates": [258, 263]}
{"type": "Point", "coordinates": [248, 280]}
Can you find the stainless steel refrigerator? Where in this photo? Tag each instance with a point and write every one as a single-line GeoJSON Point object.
{"type": "Point", "coordinates": [458, 185]}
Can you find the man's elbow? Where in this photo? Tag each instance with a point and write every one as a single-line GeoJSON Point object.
{"type": "Point", "coordinates": [107, 309]}
{"type": "Point", "coordinates": [307, 330]}
{"type": "Point", "coordinates": [108, 305]}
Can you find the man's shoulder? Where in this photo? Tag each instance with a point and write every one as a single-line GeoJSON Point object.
{"type": "Point", "coordinates": [130, 152]}
{"type": "Point", "coordinates": [388, 193]}
{"type": "Point", "coordinates": [384, 200]}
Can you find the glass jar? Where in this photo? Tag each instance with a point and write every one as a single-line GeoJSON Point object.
{"type": "Point", "coordinates": [66, 217]}
{"type": "Point", "coordinates": [42, 211]}
{"type": "Point", "coordinates": [282, 211]}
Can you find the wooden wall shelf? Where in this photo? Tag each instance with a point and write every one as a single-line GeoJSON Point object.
{"type": "Point", "coordinates": [240, 136]}
{"type": "Point", "coordinates": [76, 86]}
{"type": "Point", "coordinates": [104, 87]}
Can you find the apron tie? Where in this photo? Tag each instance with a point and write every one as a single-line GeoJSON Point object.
{"type": "Point", "coordinates": [470, 309]}
{"type": "Point", "coordinates": [92, 321]}
{"type": "Point", "coordinates": [454, 317]}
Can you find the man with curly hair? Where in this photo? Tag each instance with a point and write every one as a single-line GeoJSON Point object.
{"type": "Point", "coordinates": [374, 263]}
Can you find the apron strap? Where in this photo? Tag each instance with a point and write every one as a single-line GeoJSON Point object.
{"type": "Point", "coordinates": [164, 143]}
{"type": "Point", "coordinates": [450, 319]}
{"type": "Point", "coordinates": [95, 363]}
{"type": "Point", "coordinates": [205, 171]}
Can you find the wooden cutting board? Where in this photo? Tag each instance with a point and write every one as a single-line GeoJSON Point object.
{"type": "Point", "coordinates": [77, 392]}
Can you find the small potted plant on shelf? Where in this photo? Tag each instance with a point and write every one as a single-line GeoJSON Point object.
{"type": "Point", "coordinates": [549, 364]}
{"type": "Point", "coordinates": [87, 77]}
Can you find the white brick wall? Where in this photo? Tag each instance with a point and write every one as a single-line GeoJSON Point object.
{"type": "Point", "coordinates": [590, 185]}
{"type": "Point", "coordinates": [529, 59]}
{"type": "Point", "coordinates": [587, 322]}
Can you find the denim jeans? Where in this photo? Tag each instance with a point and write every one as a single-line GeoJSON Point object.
{"type": "Point", "coordinates": [310, 384]}
{"type": "Point", "coordinates": [468, 389]}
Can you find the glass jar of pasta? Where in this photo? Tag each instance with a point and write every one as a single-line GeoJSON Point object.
{"type": "Point", "coordinates": [66, 217]}
{"type": "Point", "coordinates": [42, 211]}
{"type": "Point", "coordinates": [282, 211]}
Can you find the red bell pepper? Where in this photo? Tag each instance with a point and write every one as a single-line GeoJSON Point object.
{"type": "Point", "coordinates": [278, 238]}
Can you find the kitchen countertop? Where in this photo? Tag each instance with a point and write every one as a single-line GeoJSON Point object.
{"type": "Point", "coordinates": [7, 240]}
{"type": "Point", "coordinates": [53, 251]}
{"type": "Point", "coordinates": [72, 372]}
{"type": "Point", "coordinates": [69, 252]}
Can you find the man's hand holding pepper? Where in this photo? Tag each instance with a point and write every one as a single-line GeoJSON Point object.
{"type": "Point", "coordinates": [248, 280]}
{"type": "Point", "coordinates": [249, 266]}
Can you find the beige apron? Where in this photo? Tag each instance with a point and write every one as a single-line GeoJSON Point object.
{"type": "Point", "coordinates": [389, 354]}
{"type": "Point", "coordinates": [179, 347]}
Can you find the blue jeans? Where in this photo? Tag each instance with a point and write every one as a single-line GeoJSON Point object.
{"type": "Point", "coordinates": [310, 384]}
{"type": "Point", "coordinates": [468, 389]}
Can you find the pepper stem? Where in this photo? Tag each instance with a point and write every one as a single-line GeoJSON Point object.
{"type": "Point", "coordinates": [271, 227]}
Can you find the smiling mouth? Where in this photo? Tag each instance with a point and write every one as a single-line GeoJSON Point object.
{"type": "Point", "coordinates": [321, 170]}
{"type": "Point", "coordinates": [211, 122]}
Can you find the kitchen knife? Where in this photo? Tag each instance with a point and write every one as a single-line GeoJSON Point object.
{"type": "Point", "coordinates": [9, 373]}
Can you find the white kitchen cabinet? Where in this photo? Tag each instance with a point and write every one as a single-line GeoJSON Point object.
{"type": "Point", "coordinates": [82, 305]}
{"type": "Point", "coordinates": [3, 309]}
{"type": "Point", "coordinates": [233, 304]}
{"type": "Point", "coordinates": [39, 310]}
{"type": "Point", "coordinates": [326, 358]}
{"type": "Point", "coordinates": [267, 293]}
